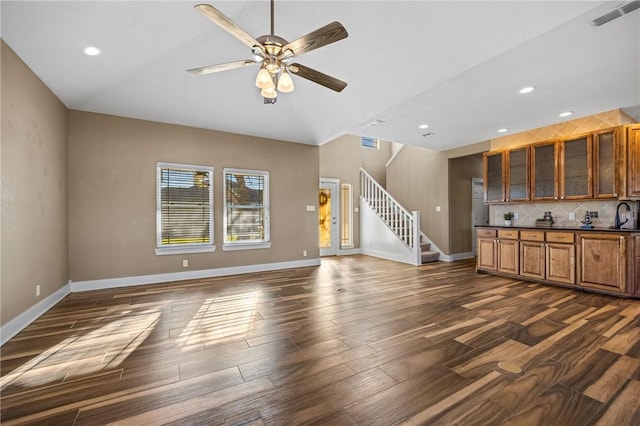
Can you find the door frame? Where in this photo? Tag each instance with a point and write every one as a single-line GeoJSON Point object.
{"type": "Point", "coordinates": [335, 210]}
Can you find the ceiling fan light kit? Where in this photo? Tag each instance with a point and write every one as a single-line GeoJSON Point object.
{"type": "Point", "coordinates": [275, 55]}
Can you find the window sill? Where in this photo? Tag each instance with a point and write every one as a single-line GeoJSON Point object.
{"type": "Point", "coordinates": [246, 246]}
{"type": "Point", "coordinates": [162, 251]}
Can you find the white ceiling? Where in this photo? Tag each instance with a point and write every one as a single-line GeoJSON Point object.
{"type": "Point", "coordinates": [455, 65]}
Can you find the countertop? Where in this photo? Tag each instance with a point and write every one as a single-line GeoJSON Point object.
{"type": "Point", "coordinates": [562, 228]}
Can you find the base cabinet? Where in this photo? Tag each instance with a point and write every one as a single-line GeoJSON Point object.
{"type": "Point", "coordinates": [603, 262]}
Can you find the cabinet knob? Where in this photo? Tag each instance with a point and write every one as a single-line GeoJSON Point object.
{"type": "Point", "coordinates": [615, 194]}
{"type": "Point", "coordinates": [562, 198]}
{"type": "Point", "coordinates": [555, 198]}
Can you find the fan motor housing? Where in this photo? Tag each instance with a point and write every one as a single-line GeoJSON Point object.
{"type": "Point", "coordinates": [272, 44]}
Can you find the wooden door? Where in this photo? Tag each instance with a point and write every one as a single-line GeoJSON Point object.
{"type": "Point", "coordinates": [606, 164]}
{"type": "Point", "coordinates": [487, 256]}
{"type": "Point", "coordinates": [508, 256]}
{"type": "Point", "coordinates": [532, 259]}
{"type": "Point", "coordinates": [561, 263]}
{"type": "Point", "coordinates": [603, 262]}
{"type": "Point", "coordinates": [544, 166]}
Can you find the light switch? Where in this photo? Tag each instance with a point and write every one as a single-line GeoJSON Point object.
{"type": "Point", "coordinates": [311, 208]}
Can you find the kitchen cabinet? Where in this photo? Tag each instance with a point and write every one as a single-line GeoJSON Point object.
{"type": "Point", "coordinates": [544, 167]}
{"type": "Point", "coordinates": [548, 256]}
{"type": "Point", "coordinates": [603, 261]}
{"type": "Point", "coordinates": [517, 179]}
{"type": "Point", "coordinates": [508, 251]}
{"type": "Point", "coordinates": [606, 181]}
{"type": "Point", "coordinates": [494, 183]}
{"type": "Point", "coordinates": [576, 180]}
{"type": "Point", "coordinates": [487, 256]}
{"type": "Point", "coordinates": [636, 275]}
{"type": "Point", "coordinates": [632, 154]}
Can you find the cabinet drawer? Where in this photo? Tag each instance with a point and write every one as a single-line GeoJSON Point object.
{"type": "Point", "coordinates": [508, 234]}
{"type": "Point", "coordinates": [560, 237]}
{"type": "Point", "coordinates": [532, 235]}
{"type": "Point", "coordinates": [486, 233]}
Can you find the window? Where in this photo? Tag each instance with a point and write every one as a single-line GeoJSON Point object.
{"type": "Point", "coordinates": [369, 142]}
{"type": "Point", "coordinates": [346, 217]}
{"type": "Point", "coordinates": [246, 209]}
{"type": "Point", "coordinates": [184, 220]}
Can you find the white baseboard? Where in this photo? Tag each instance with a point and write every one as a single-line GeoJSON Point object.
{"type": "Point", "coordinates": [457, 256]}
{"type": "Point", "coordinates": [387, 255]}
{"type": "Point", "coordinates": [17, 324]}
{"type": "Point", "coordinates": [78, 286]}
{"type": "Point", "coordinates": [349, 252]}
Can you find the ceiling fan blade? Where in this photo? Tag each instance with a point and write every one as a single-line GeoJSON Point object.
{"type": "Point", "coordinates": [221, 67]}
{"type": "Point", "coordinates": [318, 77]}
{"type": "Point", "coordinates": [228, 25]}
{"type": "Point", "coordinates": [321, 37]}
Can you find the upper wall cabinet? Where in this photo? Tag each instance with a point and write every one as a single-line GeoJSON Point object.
{"type": "Point", "coordinates": [632, 163]}
{"type": "Point", "coordinates": [517, 180]}
{"type": "Point", "coordinates": [576, 179]}
{"type": "Point", "coordinates": [544, 171]}
{"type": "Point", "coordinates": [494, 184]}
{"type": "Point", "coordinates": [606, 181]}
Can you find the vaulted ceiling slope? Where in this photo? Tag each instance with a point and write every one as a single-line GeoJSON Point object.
{"type": "Point", "coordinates": [455, 65]}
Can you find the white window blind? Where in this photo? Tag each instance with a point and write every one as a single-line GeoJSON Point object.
{"type": "Point", "coordinates": [246, 208]}
{"type": "Point", "coordinates": [184, 207]}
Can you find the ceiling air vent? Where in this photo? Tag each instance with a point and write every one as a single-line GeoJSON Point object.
{"type": "Point", "coordinates": [617, 12]}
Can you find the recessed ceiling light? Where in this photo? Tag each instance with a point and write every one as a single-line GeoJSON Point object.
{"type": "Point", "coordinates": [423, 126]}
{"type": "Point", "coordinates": [91, 51]}
{"type": "Point", "coordinates": [527, 89]}
{"type": "Point", "coordinates": [503, 130]}
{"type": "Point", "coordinates": [565, 114]}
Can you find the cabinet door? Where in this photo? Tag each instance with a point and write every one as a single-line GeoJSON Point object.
{"type": "Point", "coordinates": [636, 276]}
{"type": "Point", "coordinates": [532, 259]}
{"type": "Point", "coordinates": [561, 263]}
{"type": "Point", "coordinates": [544, 181]}
{"type": "Point", "coordinates": [517, 179]}
{"type": "Point", "coordinates": [487, 256]}
{"type": "Point", "coordinates": [575, 168]}
{"type": "Point", "coordinates": [605, 164]}
{"type": "Point", "coordinates": [633, 161]}
{"type": "Point", "coordinates": [494, 177]}
{"type": "Point", "coordinates": [603, 262]}
{"type": "Point", "coordinates": [508, 256]}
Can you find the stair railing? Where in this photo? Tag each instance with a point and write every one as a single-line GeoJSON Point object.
{"type": "Point", "coordinates": [405, 224]}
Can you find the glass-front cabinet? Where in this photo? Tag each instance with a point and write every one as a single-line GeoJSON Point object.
{"type": "Point", "coordinates": [544, 160]}
{"type": "Point", "coordinates": [576, 180]}
{"type": "Point", "coordinates": [605, 164]}
{"type": "Point", "coordinates": [517, 179]}
{"type": "Point", "coordinates": [493, 163]}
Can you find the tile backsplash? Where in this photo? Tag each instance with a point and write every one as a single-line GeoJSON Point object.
{"type": "Point", "coordinates": [529, 212]}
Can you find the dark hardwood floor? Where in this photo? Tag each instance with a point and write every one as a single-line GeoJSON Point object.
{"type": "Point", "coordinates": [356, 341]}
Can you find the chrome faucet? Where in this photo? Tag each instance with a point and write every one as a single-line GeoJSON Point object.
{"type": "Point", "coordinates": [619, 223]}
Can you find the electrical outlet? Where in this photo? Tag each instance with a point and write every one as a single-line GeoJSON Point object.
{"type": "Point", "coordinates": [38, 290]}
{"type": "Point", "coordinates": [185, 263]}
{"type": "Point", "coordinates": [572, 215]}
{"type": "Point", "coordinates": [516, 215]}
{"type": "Point", "coordinates": [304, 253]}
{"type": "Point", "coordinates": [438, 208]}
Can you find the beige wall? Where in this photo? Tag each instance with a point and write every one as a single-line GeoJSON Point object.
{"type": "Point", "coordinates": [342, 158]}
{"type": "Point", "coordinates": [461, 171]}
{"type": "Point", "coordinates": [34, 188]}
{"type": "Point", "coordinates": [419, 179]}
{"type": "Point", "coordinates": [112, 194]}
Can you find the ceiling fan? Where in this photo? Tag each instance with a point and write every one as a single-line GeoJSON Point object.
{"type": "Point", "coordinates": [275, 55]}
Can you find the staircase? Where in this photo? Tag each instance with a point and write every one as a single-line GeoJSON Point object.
{"type": "Point", "coordinates": [399, 238]}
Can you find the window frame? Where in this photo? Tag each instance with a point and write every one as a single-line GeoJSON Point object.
{"type": "Point", "coordinates": [371, 143]}
{"type": "Point", "coordinates": [244, 245]}
{"type": "Point", "coordinates": [185, 248]}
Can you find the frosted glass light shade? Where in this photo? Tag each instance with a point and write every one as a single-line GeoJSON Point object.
{"type": "Point", "coordinates": [285, 83]}
{"type": "Point", "coordinates": [263, 79]}
{"type": "Point", "coordinates": [269, 92]}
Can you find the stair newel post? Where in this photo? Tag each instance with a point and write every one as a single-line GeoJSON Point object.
{"type": "Point", "coordinates": [415, 236]}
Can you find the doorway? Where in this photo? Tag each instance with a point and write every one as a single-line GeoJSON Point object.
{"type": "Point", "coordinates": [479, 210]}
{"type": "Point", "coordinates": [328, 208]}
